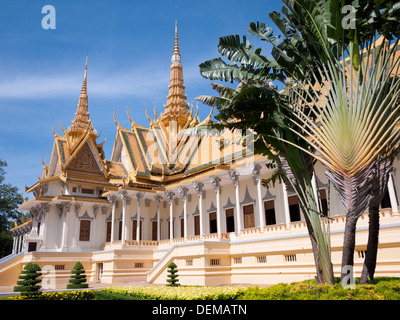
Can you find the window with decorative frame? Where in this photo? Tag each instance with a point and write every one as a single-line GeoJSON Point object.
{"type": "Point", "coordinates": [84, 230]}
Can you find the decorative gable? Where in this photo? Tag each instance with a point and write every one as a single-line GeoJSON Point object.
{"type": "Point", "coordinates": [85, 161]}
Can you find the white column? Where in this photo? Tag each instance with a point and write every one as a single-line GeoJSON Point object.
{"type": "Point", "coordinates": [123, 194]}
{"type": "Point", "coordinates": [77, 207]}
{"type": "Point", "coordinates": [392, 195]}
{"type": "Point", "coordinates": [139, 197]}
{"type": "Point", "coordinates": [64, 229]}
{"type": "Point", "coordinates": [45, 219]}
{"type": "Point", "coordinates": [183, 192]}
{"type": "Point", "coordinates": [286, 205]}
{"type": "Point", "coordinates": [198, 186]}
{"type": "Point", "coordinates": [93, 239]}
{"type": "Point", "coordinates": [170, 196]}
{"type": "Point", "coordinates": [235, 179]}
{"type": "Point", "coordinates": [215, 182]}
{"type": "Point", "coordinates": [103, 225]}
{"type": "Point", "coordinates": [257, 180]}
{"type": "Point", "coordinates": [14, 244]}
{"type": "Point", "coordinates": [158, 199]}
{"type": "Point", "coordinates": [63, 209]}
{"type": "Point", "coordinates": [21, 240]}
{"type": "Point", "coordinates": [112, 200]}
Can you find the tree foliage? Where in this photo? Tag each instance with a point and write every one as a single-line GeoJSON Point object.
{"type": "Point", "coordinates": [10, 200]}
{"type": "Point", "coordinates": [312, 42]}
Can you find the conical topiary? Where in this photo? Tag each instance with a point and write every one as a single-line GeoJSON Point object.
{"type": "Point", "coordinates": [172, 275]}
{"type": "Point", "coordinates": [78, 277]}
{"type": "Point", "coordinates": [28, 283]}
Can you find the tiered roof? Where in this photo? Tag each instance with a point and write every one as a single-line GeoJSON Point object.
{"type": "Point", "coordinates": [168, 152]}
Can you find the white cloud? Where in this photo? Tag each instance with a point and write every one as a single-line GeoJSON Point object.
{"type": "Point", "coordinates": [143, 81]}
{"type": "Point", "coordinates": [29, 86]}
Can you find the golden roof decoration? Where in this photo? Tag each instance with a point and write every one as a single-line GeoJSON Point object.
{"type": "Point", "coordinates": [176, 108]}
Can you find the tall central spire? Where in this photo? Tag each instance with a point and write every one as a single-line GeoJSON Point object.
{"type": "Point", "coordinates": [176, 108]}
{"type": "Point", "coordinates": [81, 121]}
{"type": "Point", "coordinates": [176, 56]}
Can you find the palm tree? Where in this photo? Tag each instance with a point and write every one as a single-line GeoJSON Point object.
{"type": "Point", "coordinates": [313, 43]}
{"type": "Point", "coordinates": [255, 104]}
{"type": "Point", "coordinates": [353, 128]}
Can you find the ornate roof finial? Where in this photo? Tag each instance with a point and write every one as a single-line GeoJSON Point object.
{"type": "Point", "coordinates": [84, 84]}
{"type": "Point", "coordinates": [176, 56]}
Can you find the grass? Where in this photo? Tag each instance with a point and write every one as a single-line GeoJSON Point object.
{"type": "Point", "coordinates": [382, 288]}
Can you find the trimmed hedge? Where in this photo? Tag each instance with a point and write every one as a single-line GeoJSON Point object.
{"type": "Point", "coordinates": [78, 277]}
{"type": "Point", "coordinates": [28, 283]}
{"type": "Point", "coordinates": [380, 289]}
{"type": "Point", "coordinates": [172, 293]}
{"type": "Point", "coordinates": [173, 276]}
{"type": "Point", "coordinates": [60, 295]}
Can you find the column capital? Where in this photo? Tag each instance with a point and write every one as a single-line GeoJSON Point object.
{"type": "Point", "coordinates": [96, 208]}
{"type": "Point", "coordinates": [198, 186]}
{"type": "Point", "coordinates": [215, 182]}
{"type": "Point", "coordinates": [183, 192]}
{"type": "Point", "coordinates": [111, 199]}
{"type": "Point", "coordinates": [158, 197]}
{"type": "Point", "coordinates": [78, 206]}
{"type": "Point", "coordinates": [234, 177]}
{"type": "Point", "coordinates": [256, 173]}
{"type": "Point", "coordinates": [124, 197]}
{"type": "Point", "coordinates": [63, 208]}
{"type": "Point", "coordinates": [140, 196]}
{"type": "Point", "coordinates": [169, 195]}
{"type": "Point", "coordinates": [104, 210]}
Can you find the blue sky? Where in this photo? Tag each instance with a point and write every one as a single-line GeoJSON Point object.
{"type": "Point", "coordinates": [129, 44]}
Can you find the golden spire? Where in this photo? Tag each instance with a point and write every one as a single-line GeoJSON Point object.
{"type": "Point", "coordinates": [81, 121]}
{"type": "Point", "coordinates": [176, 108]}
{"type": "Point", "coordinates": [176, 56]}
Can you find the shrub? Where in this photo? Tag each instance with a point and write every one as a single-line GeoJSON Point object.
{"type": "Point", "coordinates": [28, 283]}
{"type": "Point", "coordinates": [310, 290]}
{"type": "Point", "coordinates": [78, 277]}
{"type": "Point", "coordinates": [170, 293]}
{"type": "Point", "coordinates": [61, 295]}
{"type": "Point", "coordinates": [172, 275]}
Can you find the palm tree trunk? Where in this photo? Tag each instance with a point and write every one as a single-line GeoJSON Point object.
{"type": "Point", "coordinates": [379, 187]}
{"type": "Point", "coordinates": [320, 276]}
{"type": "Point", "coordinates": [349, 242]}
{"type": "Point", "coordinates": [372, 247]}
{"type": "Point", "coordinates": [297, 182]}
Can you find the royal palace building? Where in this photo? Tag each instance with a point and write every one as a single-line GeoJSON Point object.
{"type": "Point", "coordinates": [170, 193]}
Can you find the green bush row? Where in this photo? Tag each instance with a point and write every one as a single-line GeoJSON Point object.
{"type": "Point", "coordinates": [173, 293]}
{"type": "Point", "coordinates": [59, 295]}
{"type": "Point", "coordinates": [381, 289]}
